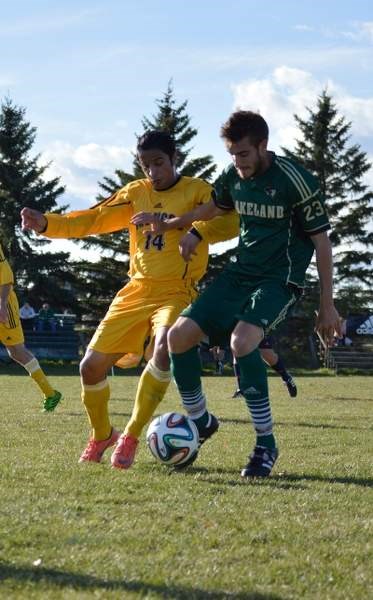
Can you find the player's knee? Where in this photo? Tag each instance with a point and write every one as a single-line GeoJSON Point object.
{"type": "Point", "coordinates": [160, 357]}
{"type": "Point", "coordinates": [183, 335]}
{"type": "Point", "coordinates": [91, 370]}
{"type": "Point", "coordinates": [244, 344]}
{"type": "Point", "coordinates": [19, 354]}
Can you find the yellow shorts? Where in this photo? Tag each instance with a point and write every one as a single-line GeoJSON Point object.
{"type": "Point", "coordinates": [11, 332]}
{"type": "Point", "coordinates": [136, 313]}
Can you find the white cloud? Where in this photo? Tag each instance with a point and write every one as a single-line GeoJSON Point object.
{"type": "Point", "coordinates": [94, 156]}
{"type": "Point", "coordinates": [359, 31]}
{"type": "Point", "coordinates": [367, 29]}
{"type": "Point", "coordinates": [81, 168]}
{"type": "Point", "coordinates": [46, 22]}
{"type": "Point", "coordinates": [288, 91]}
{"type": "Point", "coordinates": [302, 27]}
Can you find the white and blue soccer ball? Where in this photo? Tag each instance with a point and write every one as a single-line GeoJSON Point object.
{"type": "Point", "coordinates": [172, 438]}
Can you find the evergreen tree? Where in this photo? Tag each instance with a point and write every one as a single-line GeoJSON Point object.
{"type": "Point", "coordinates": [23, 183]}
{"type": "Point", "coordinates": [174, 119]}
{"type": "Point", "coordinates": [324, 149]}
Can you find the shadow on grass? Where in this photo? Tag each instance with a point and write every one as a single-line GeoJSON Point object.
{"type": "Point", "coordinates": [362, 481]}
{"type": "Point", "coordinates": [82, 414]}
{"type": "Point", "coordinates": [89, 582]}
{"type": "Point", "coordinates": [320, 426]}
{"type": "Point", "coordinates": [283, 480]}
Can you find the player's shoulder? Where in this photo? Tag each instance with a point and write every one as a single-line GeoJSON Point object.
{"type": "Point", "coordinates": [195, 183]}
{"type": "Point", "coordinates": [131, 191]}
{"type": "Point", "coordinates": [135, 186]}
{"type": "Point", "coordinates": [291, 167]}
{"type": "Point", "coordinates": [229, 174]}
{"type": "Point", "coordinates": [296, 174]}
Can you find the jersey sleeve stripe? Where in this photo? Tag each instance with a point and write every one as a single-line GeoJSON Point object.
{"type": "Point", "coordinates": [315, 193]}
{"type": "Point", "coordinates": [318, 229]}
{"type": "Point", "coordinates": [295, 176]}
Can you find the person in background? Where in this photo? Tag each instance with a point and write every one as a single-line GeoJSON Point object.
{"type": "Point", "coordinates": [272, 359]}
{"type": "Point", "coordinates": [27, 315]}
{"type": "Point", "coordinates": [46, 319]}
{"type": "Point", "coordinates": [218, 354]}
{"type": "Point", "coordinates": [11, 335]}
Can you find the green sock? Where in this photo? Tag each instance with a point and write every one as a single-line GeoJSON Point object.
{"type": "Point", "coordinates": [254, 386]}
{"type": "Point", "coordinates": [186, 369]}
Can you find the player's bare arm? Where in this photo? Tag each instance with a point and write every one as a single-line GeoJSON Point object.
{"type": "Point", "coordinates": [33, 220]}
{"type": "Point", "coordinates": [328, 322]}
{"type": "Point", "coordinates": [203, 212]}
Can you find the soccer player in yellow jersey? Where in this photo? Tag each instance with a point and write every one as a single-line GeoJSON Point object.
{"type": "Point", "coordinates": [161, 286]}
{"type": "Point", "coordinates": [11, 335]}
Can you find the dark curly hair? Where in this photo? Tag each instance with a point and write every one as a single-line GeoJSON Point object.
{"type": "Point", "coordinates": [245, 123]}
{"type": "Point", "coordinates": [157, 139]}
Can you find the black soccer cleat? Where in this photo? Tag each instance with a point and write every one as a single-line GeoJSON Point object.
{"type": "Point", "coordinates": [204, 434]}
{"type": "Point", "coordinates": [292, 388]}
{"type": "Point", "coordinates": [261, 462]}
{"type": "Point", "coordinates": [208, 430]}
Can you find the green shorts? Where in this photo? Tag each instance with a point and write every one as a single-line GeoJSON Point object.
{"type": "Point", "coordinates": [229, 299]}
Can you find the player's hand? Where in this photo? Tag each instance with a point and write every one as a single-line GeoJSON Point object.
{"type": "Point", "coordinates": [328, 324]}
{"type": "Point", "coordinates": [33, 220]}
{"type": "Point", "coordinates": [188, 245]}
{"type": "Point", "coordinates": [153, 220]}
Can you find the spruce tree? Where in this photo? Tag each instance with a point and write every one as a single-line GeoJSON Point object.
{"type": "Point", "coordinates": [175, 120]}
{"type": "Point", "coordinates": [340, 166]}
{"type": "Point", "coordinates": [23, 183]}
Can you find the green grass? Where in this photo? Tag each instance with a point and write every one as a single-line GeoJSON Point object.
{"type": "Point", "coordinates": [87, 531]}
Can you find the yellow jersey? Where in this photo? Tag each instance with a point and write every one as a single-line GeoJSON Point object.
{"type": "Point", "coordinates": [6, 273]}
{"type": "Point", "coordinates": [152, 257]}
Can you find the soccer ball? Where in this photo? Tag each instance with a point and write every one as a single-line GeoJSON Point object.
{"type": "Point", "coordinates": [172, 438]}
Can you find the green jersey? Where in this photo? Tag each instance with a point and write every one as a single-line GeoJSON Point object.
{"type": "Point", "coordinates": [279, 211]}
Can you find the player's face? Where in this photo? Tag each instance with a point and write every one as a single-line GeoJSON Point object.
{"type": "Point", "coordinates": [158, 168]}
{"type": "Point", "coordinates": [248, 159]}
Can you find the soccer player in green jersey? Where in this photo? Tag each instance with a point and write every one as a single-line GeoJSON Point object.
{"type": "Point", "coordinates": [273, 360]}
{"type": "Point", "coordinates": [282, 221]}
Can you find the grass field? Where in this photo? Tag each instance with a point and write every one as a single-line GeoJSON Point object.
{"type": "Point", "coordinates": [88, 531]}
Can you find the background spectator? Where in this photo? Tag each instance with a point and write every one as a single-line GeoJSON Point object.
{"type": "Point", "coordinates": [27, 314]}
{"type": "Point", "coordinates": [46, 318]}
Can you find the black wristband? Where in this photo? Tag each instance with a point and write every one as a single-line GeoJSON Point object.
{"type": "Point", "coordinates": [195, 232]}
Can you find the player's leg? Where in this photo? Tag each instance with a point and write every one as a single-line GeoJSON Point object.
{"type": "Point", "coordinates": [160, 307]}
{"type": "Point", "coordinates": [121, 331]}
{"type": "Point", "coordinates": [20, 354]}
{"type": "Point", "coordinates": [151, 390]}
{"type": "Point", "coordinates": [254, 386]}
{"type": "Point", "coordinates": [270, 305]}
{"type": "Point", "coordinates": [183, 340]}
{"type": "Point", "coordinates": [205, 317]}
{"type": "Point", "coordinates": [237, 374]}
{"type": "Point", "coordinates": [11, 335]}
{"type": "Point", "coordinates": [95, 397]}
{"type": "Point", "coordinates": [276, 363]}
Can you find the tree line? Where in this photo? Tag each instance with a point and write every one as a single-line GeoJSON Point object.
{"type": "Point", "coordinates": [323, 146]}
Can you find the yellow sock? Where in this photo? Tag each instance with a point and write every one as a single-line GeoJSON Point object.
{"type": "Point", "coordinates": [152, 387]}
{"type": "Point", "coordinates": [95, 399]}
{"type": "Point", "coordinates": [39, 377]}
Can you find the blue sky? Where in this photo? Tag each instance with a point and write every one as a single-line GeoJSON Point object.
{"type": "Point", "coordinates": [87, 72]}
